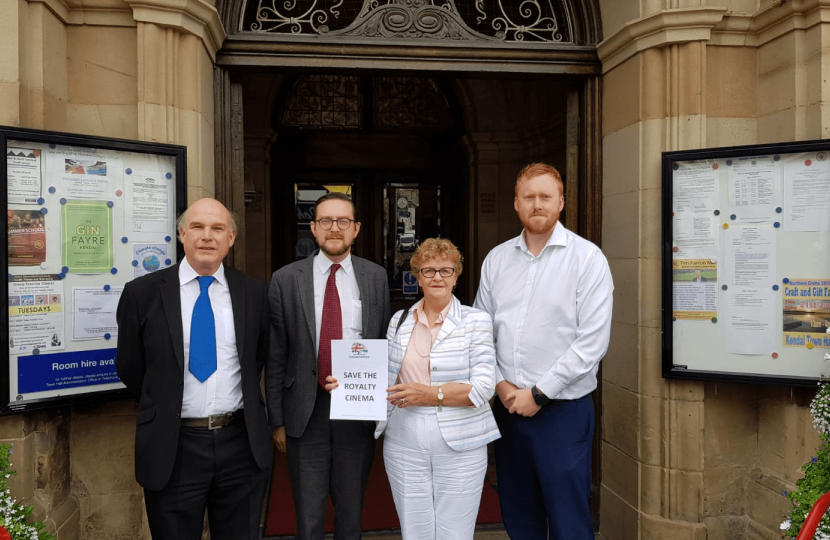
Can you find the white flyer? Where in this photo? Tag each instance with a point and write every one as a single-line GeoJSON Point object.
{"type": "Point", "coordinates": [93, 312]}
{"type": "Point", "coordinates": [361, 369]}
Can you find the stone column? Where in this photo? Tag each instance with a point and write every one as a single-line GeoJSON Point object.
{"type": "Point", "coordinates": [177, 44]}
{"type": "Point", "coordinates": [653, 94]}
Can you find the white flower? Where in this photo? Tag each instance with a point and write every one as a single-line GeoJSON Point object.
{"type": "Point", "coordinates": [785, 526]}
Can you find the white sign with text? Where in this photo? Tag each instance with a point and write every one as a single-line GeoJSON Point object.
{"type": "Point", "coordinates": [361, 369]}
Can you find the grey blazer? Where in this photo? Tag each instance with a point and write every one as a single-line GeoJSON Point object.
{"type": "Point", "coordinates": [291, 374]}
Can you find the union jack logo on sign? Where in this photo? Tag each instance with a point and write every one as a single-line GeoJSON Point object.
{"type": "Point", "coordinates": [359, 348]}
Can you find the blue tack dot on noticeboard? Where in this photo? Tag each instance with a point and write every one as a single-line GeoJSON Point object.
{"type": "Point", "coordinates": [724, 287]}
{"type": "Point", "coordinates": [11, 277]}
{"type": "Point", "coordinates": [779, 210]}
{"type": "Point", "coordinates": [167, 238]}
{"type": "Point", "coordinates": [135, 263]}
{"type": "Point", "coordinates": [35, 351]}
{"type": "Point", "coordinates": [52, 189]}
{"type": "Point", "coordinates": [63, 201]}
{"type": "Point", "coordinates": [107, 336]}
{"type": "Point", "coordinates": [124, 239]}
{"type": "Point", "coordinates": [728, 162]}
{"type": "Point", "coordinates": [41, 200]}
{"type": "Point", "coordinates": [168, 176]}
{"type": "Point", "coordinates": [129, 171]}
{"type": "Point", "coordinates": [53, 146]}
{"type": "Point", "coordinates": [65, 269]}
{"type": "Point", "coordinates": [106, 287]}
{"type": "Point", "coordinates": [786, 280]}
{"type": "Point", "coordinates": [62, 275]}
{"type": "Point", "coordinates": [717, 212]}
{"type": "Point", "coordinates": [44, 210]}
{"type": "Point", "coordinates": [776, 224]}
{"type": "Point", "coordinates": [114, 271]}
{"type": "Point", "coordinates": [675, 166]}
{"type": "Point", "coordinates": [714, 319]}
{"type": "Point", "coordinates": [168, 262]}
{"type": "Point", "coordinates": [775, 287]}
{"type": "Point", "coordinates": [110, 204]}
{"type": "Point", "coordinates": [733, 217]}
{"type": "Point", "coordinates": [776, 157]}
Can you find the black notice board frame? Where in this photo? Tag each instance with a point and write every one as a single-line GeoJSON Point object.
{"type": "Point", "coordinates": [674, 362]}
{"type": "Point", "coordinates": [172, 158]}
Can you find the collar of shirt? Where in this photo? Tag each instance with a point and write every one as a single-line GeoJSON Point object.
{"type": "Point", "coordinates": [188, 274]}
{"type": "Point", "coordinates": [421, 315]}
{"type": "Point", "coordinates": [323, 264]}
{"type": "Point", "coordinates": [557, 238]}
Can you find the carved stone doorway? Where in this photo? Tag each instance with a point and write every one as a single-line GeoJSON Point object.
{"type": "Point", "coordinates": [511, 102]}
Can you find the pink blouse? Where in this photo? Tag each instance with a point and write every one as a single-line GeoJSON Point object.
{"type": "Point", "coordinates": [415, 364]}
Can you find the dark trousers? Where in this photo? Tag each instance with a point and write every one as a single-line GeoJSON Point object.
{"type": "Point", "coordinates": [331, 456]}
{"type": "Point", "coordinates": [544, 471]}
{"type": "Point", "coordinates": [214, 470]}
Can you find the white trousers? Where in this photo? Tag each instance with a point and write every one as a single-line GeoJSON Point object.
{"type": "Point", "coordinates": [437, 490]}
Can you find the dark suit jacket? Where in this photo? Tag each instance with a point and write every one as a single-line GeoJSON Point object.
{"type": "Point", "coordinates": [291, 377]}
{"type": "Point", "coordinates": [150, 361]}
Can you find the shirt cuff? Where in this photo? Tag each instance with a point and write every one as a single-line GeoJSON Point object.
{"type": "Point", "coordinates": [550, 386]}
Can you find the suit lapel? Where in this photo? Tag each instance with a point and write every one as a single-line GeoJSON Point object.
{"type": "Point", "coordinates": [237, 290]}
{"type": "Point", "coordinates": [305, 286]}
{"type": "Point", "coordinates": [172, 301]}
{"type": "Point", "coordinates": [451, 322]}
{"type": "Point", "coordinates": [363, 287]}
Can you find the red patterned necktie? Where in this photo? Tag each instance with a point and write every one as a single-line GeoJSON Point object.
{"type": "Point", "coordinates": [331, 326]}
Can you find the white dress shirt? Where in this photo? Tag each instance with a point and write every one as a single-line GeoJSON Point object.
{"type": "Point", "coordinates": [222, 391]}
{"type": "Point", "coordinates": [351, 310]}
{"type": "Point", "coordinates": [551, 313]}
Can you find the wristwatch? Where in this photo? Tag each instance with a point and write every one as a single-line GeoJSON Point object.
{"type": "Point", "coordinates": [540, 398]}
{"type": "Point", "coordinates": [440, 397]}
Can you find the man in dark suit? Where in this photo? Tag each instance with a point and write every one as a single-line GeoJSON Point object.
{"type": "Point", "coordinates": [192, 343]}
{"type": "Point", "coordinates": [331, 295]}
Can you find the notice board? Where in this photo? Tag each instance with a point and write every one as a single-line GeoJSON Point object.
{"type": "Point", "coordinates": [84, 215]}
{"type": "Point", "coordinates": [746, 263]}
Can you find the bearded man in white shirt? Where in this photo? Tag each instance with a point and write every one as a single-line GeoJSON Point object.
{"type": "Point", "coordinates": [549, 292]}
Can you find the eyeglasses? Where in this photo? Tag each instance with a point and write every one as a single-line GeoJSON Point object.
{"type": "Point", "coordinates": [430, 272]}
{"type": "Point", "coordinates": [342, 223]}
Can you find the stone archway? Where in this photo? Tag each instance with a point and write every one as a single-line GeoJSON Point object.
{"type": "Point", "coordinates": [518, 101]}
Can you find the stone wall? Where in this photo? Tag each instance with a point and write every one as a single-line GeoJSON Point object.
{"type": "Point", "coordinates": [694, 460]}
{"type": "Point", "coordinates": [113, 69]}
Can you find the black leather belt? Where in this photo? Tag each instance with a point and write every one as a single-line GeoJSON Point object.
{"type": "Point", "coordinates": [214, 421]}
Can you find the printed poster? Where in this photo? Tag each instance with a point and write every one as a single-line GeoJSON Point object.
{"type": "Point", "coordinates": [807, 313]}
{"type": "Point", "coordinates": [36, 318]}
{"type": "Point", "coordinates": [87, 237]}
{"type": "Point", "coordinates": [147, 258]}
{"type": "Point", "coordinates": [85, 175]}
{"type": "Point", "coordinates": [148, 203]}
{"type": "Point", "coordinates": [24, 174]}
{"type": "Point", "coordinates": [694, 289]}
{"type": "Point", "coordinates": [27, 237]}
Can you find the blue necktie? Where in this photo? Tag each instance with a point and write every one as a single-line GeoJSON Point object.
{"type": "Point", "coordinates": [203, 334]}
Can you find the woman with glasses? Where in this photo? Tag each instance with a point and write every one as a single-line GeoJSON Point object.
{"type": "Point", "coordinates": [442, 374]}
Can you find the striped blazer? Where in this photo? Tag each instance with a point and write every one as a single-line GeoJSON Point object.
{"type": "Point", "coordinates": [463, 352]}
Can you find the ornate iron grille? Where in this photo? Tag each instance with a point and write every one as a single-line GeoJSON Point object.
{"type": "Point", "coordinates": [461, 20]}
{"type": "Point", "coordinates": [324, 102]}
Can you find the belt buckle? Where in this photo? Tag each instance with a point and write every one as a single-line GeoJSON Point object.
{"type": "Point", "coordinates": [218, 418]}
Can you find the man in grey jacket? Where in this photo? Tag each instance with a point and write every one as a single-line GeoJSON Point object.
{"type": "Point", "coordinates": [331, 295]}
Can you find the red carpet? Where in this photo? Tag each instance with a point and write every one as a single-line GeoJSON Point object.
{"type": "Point", "coordinates": [378, 509]}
